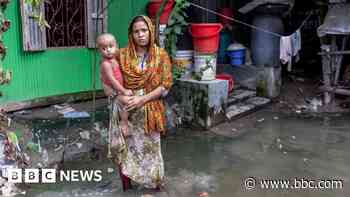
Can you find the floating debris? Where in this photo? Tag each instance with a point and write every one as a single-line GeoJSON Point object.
{"type": "Point", "coordinates": [280, 146]}
{"type": "Point", "coordinates": [66, 110]}
{"type": "Point", "coordinates": [14, 140]}
{"type": "Point", "coordinates": [315, 103]}
{"type": "Point", "coordinates": [23, 112]}
{"type": "Point", "coordinates": [61, 106]}
{"type": "Point", "coordinates": [85, 135]}
{"type": "Point", "coordinates": [79, 145]}
{"type": "Point", "coordinates": [45, 157]}
{"type": "Point", "coordinates": [110, 170]}
{"type": "Point", "coordinates": [300, 79]}
{"type": "Point", "coordinates": [203, 194]}
{"type": "Point", "coordinates": [33, 146]}
{"type": "Point", "coordinates": [75, 114]}
{"type": "Point", "coordinates": [40, 165]}
{"type": "Point", "coordinates": [275, 118]}
{"type": "Point", "coordinates": [261, 120]}
{"type": "Point", "coordinates": [147, 195]}
{"type": "Point", "coordinates": [59, 147]}
{"type": "Point", "coordinates": [9, 189]}
{"type": "Point", "coordinates": [97, 126]}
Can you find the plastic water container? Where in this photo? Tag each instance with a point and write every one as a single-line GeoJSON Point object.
{"type": "Point", "coordinates": [205, 66]}
{"type": "Point", "coordinates": [162, 35]}
{"type": "Point", "coordinates": [184, 62]}
{"type": "Point", "coordinates": [268, 81]}
{"type": "Point", "coordinates": [153, 7]}
{"type": "Point", "coordinates": [225, 40]}
{"type": "Point", "coordinates": [205, 37]}
{"type": "Point", "coordinates": [228, 78]}
{"type": "Point", "coordinates": [236, 52]}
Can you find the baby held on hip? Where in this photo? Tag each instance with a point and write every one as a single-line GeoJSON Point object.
{"type": "Point", "coordinates": [118, 89]}
{"type": "Point", "coordinates": [110, 73]}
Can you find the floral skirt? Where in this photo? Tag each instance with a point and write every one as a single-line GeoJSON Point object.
{"type": "Point", "coordinates": [138, 155]}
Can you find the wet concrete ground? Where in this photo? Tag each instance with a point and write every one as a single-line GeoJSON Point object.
{"type": "Point", "coordinates": [268, 146]}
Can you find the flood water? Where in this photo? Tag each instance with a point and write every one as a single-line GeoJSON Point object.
{"type": "Point", "coordinates": [281, 147]}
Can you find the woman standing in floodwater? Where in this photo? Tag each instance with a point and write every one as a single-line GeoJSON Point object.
{"type": "Point", "coordinates": [146, 71]}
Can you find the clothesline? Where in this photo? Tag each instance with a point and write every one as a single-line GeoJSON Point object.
{"type": "Point", "coordinates": [229, 18]}
{"type": "Point", "coordinates": [246, 24]}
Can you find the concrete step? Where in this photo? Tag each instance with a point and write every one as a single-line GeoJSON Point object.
{"type": "Point", "coordinates": [245, 107]}
{"type": "Point", "coordinates": [240, 95]}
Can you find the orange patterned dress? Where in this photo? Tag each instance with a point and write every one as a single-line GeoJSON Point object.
{"type": "Point", "coordinates": [139, 155]}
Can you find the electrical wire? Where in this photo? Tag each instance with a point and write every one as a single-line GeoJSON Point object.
{"type": "Point", "coordinates": [246, 24]}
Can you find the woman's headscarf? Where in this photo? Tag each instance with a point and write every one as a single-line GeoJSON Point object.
{"type": "Point", "coordinates": [152, 39]}
{"type": "Point", "coordinates": [157, 73]}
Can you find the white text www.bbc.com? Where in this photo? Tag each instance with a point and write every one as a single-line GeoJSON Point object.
{"type": "Point", "coordinates": [301, 184]}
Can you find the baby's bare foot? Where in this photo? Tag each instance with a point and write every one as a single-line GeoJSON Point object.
{"type": "Point", "coordinates": [124, 128]}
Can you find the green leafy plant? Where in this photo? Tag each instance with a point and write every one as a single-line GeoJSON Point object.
{"type": "Point", "coordinates": [3, 3]}
{"type": "Point", "coordinates": [37, 13]}
{"type": "Point", "coordinates": [5, 75]}
{"type": "Point", "coordinates": [176, 23]}
{"type": "Point", "coordinates": [177, 72]}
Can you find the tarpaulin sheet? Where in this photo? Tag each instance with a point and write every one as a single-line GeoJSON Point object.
{"type": "Point", "coordinates": [337, 21]}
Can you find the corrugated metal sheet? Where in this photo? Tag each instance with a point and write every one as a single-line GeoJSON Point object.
{"type": "Point", "coordinates": [120, 16]}
{"type": "Point", "coordinates": [57, 71]}
{"type": "Point", "coordinates": [337, 21]}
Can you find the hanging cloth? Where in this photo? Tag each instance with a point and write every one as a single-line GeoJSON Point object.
{"type": "Point", "coordinates": [289, 48]}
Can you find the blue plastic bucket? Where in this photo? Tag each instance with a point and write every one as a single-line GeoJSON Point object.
{"type": "Point", "coordinates": [237, 57]}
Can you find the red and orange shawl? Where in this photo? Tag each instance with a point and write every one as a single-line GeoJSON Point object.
{"type": "Point", "coordinates": [157, 73]}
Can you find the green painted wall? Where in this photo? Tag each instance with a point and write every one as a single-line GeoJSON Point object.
{"type": "Point", "coordinates": [57, 71]}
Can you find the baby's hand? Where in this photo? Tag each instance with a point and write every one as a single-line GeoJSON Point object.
{"type": "Point", "coordinates": [128, 92]}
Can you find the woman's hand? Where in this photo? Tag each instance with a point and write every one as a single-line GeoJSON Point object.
{"type": "Point", "coordinates": [124, 99]}
{"type": "Point", "coordinates": [135, 102]}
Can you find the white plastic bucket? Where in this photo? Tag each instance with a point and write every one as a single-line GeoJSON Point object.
{"type": "Point", "coordinates": [162, 36]}
{"type": "Point", "coordinates": [184, 61]}
{"type": "Point", "coordinates": [205, 66]}
{"type": "Point", "coordinates": [162, 41]}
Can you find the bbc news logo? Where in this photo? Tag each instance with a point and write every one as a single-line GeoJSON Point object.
{"type": "Point", "coordinates": [52, 175]}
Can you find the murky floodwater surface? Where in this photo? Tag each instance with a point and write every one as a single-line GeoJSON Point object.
{"type": "Point", "coordinates": [278, 148]}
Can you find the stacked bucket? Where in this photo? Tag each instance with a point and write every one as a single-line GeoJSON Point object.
{"type": "Point", "coordinates": [205, 38]}
{"type": "Point", "coordinates": [152, 8]}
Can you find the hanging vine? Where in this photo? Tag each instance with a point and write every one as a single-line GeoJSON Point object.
{"type": "Point", "coordinates": [37, 13]}
{"type": "Point", "coordinates": [5, 75]}
{"type": "Point", "coordinates": [175, 26]}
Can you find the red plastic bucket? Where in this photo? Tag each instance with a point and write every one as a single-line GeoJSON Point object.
{"type": "Point", "coordinates": [153, 7]}
{"type": "Point", "coordinates": [205, 36]}
{"type": "Point", "coordinates": [228, 78]}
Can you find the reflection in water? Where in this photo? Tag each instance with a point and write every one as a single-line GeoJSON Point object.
{"type": "Point", "coordinates": [284, 148]}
